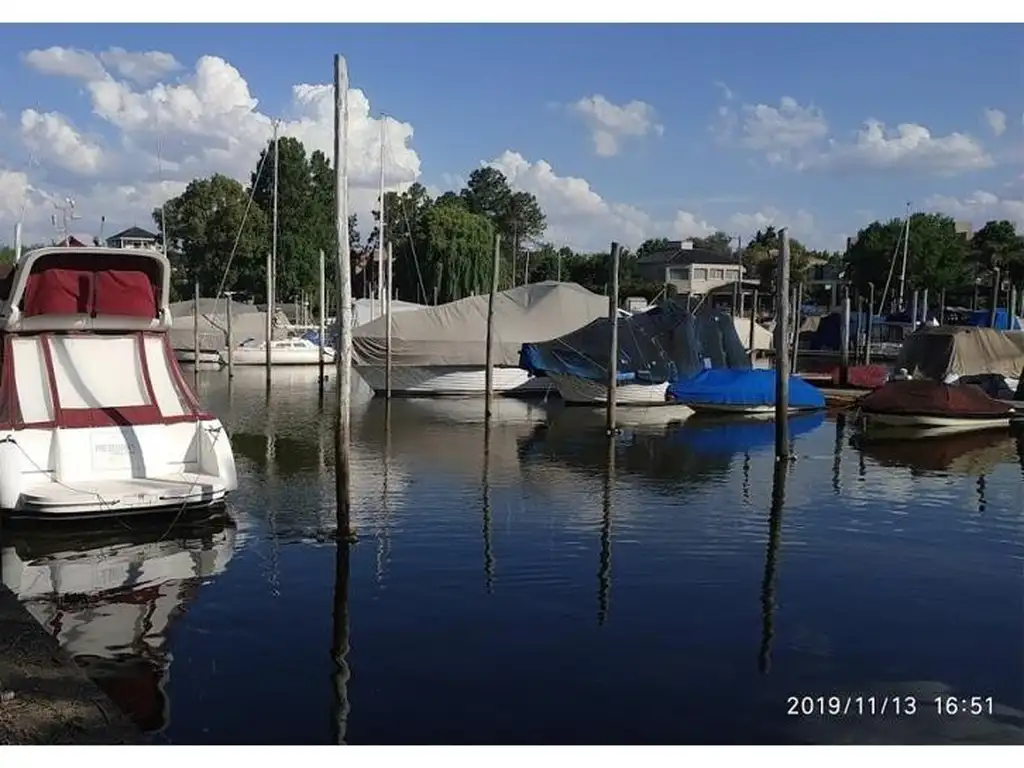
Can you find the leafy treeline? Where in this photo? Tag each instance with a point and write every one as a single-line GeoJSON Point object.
{"type": "Point", "coordinates": [444, 246]}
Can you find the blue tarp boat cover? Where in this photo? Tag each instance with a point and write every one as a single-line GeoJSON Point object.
{"type": "Point", "coordinates": [743, 388]}
{"type": "Point", "coordinates": [981, 317]}
{"type": "Point", "coordinates": [658, 345]}
{"type": "Point", "coordinates": [718, 437]}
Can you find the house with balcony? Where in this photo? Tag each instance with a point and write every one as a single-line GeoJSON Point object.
{"type": "Point", "coordinates": [134, 237]}
{"type": "Point", "coordinates": [690, 271]}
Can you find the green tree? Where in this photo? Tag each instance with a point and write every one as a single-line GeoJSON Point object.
{"type": "Point", "coordinates": [761, 258]}
{"type": "Point", "coordinates": [459, 251]}
{"type": "Point", "coordinates": [997, 245]}
{"type": "Point", "coordinates": [937, 256]}
{"type": "Point", "coordinates": [719, 242]}
{"type": "Point", "coordinates": [652, 245]}
{"type": "Point", "coordinates": [203, 223]}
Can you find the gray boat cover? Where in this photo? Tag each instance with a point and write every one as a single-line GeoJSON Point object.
{"type": "Point", "coordinates": [247, 322]}
{"type": "Point", "coordinates": [948, 352]}
{"type": "Point", "coordinates": [455, 334]}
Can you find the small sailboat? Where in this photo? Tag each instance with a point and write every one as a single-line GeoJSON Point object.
{"type": "Point", "coordinates": [297, 350]}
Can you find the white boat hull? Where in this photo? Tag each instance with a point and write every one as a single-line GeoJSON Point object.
{"type": "Point", "coordinates": [189, 356]}
{"type": "Point", "coordinates": [918, 420]}
{"type": "Point", "coordinates": [451, 381]}
{"type": "Point", "coordinates": [258, 356]}
{"type": "Point", "coordinates": [750, 410]}
{"type": "Point", "coordinates": [578, 391]}
{"type": "Point", "coordinates": [115, 470]}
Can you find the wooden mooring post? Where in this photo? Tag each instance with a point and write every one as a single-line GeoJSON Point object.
{"type": "Point", "coordinates": [613, 350]}
{"type": "Point", "coordinates": [781, 357]}
{"type": "Point", "coordinates": [489, 361]}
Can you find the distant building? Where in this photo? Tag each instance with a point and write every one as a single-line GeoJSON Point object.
{"type": "Point", "coordinates": [689, 270]}
{"type": "Point", "coordinates": [134, 237]}
{"type": "Point", "coordinates": [73, 241]}
{"type": "Point", "coordinates": [964, 228]}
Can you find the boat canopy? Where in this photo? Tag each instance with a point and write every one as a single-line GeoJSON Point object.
{"type": "Point", "coordinates": [86, 289]}
{"type": "Point", "coordinates": [50, 380]}
{"type": "Point", "coordinates": [949, 352]}
{"type": "Point", "coordinates": [725, 387]}
{"type": "Point", "coordinates": [921, 397]}
{"type": "Point", "coordinates": [455, 334]}
{"type": "Point", "coordinates": [247, 322]}
{"type": "Point", "coordinates": [658, 345]}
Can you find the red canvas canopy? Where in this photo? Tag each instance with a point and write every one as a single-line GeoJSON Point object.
{"type": "Point", "coordinates": [86, 284]}
{"type": "Point", "coordinates": [921, 397]}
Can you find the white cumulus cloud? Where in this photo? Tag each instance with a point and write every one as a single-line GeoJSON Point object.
{"type": "Point", "coordinates": [610, 123]}
{"type": "Point", "coordinates": [996, 120]}
{"type": "Point", "coordinates": [200, 121]}
{"type": "Point", "coordinates": [979, 207]}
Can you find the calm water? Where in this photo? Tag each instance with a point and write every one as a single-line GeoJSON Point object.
{"type": "Point", "coordinates": [525, 598]}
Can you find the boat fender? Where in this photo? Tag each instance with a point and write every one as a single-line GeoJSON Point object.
{"type": "Point", "coordinates": [12, 463]}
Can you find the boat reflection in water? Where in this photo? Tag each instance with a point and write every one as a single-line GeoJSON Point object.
{"type": "Point", "coordinates": [110, 595]}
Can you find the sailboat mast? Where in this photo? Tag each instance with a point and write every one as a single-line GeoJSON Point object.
{"type": "Point", "coordinates": [273, 242]}
{"type": "Point", "coordinates": [903, 267]}
{"type": "Point", "coordinates": [380, 224]}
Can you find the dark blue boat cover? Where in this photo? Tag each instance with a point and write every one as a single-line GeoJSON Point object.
{"type": "Point", "coordinates": [658, 345]}
{"type": "Point", "coordinates": [718, 437]}
{"type": "Point", "coordinates": [738, 388]}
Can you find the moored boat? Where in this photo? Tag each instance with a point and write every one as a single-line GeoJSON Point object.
{"type": "Point", "coordinates": [442, 350]}
{"type": "Point", "coordinates": [298, 350]}
{"type": "Point", "coordinates": [752, 392]}
{"type": "Point", "coordinates": [926, 403]}
{"type": "Point", "coordinates": [95, 415]}
{"type": "Point", "coordinates": [654, 348]}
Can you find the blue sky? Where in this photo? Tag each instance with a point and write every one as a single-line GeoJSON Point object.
{"type": "Point", "coordinates": [690, 119]}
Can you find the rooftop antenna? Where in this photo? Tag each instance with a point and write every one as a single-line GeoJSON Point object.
{"type": "Point", "coordinates": [163, 200]}
{"type": "Point", "coordinates": [66, 211]}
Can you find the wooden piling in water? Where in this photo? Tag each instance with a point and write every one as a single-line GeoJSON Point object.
{"type": "Point", "coordinates": [914, 309]}
{"type": "Point", "coordinates": [613, 351]}
{"type": "Point", "coordinates": [343, 355]}
{"type": "Point", "coordinates": [798, 296]}
{"type": "Point", "coordinates": [781, 356]}
{"type": "Point", "coordinates": [604, 563]}
{"type": "Point", "coordinates": [994, 303]}
{"type": "Point", "coordinates": [489, 363]}
{"type": "Point", "coordinates": [269, 320]}
{"type": "Point", "coordinates": [844, 348]}
{"type": "Point", "coordinates": [924, 306]}
{"type": "Point", "coordinates": [753, 322]}
{"type": "Point", "coordinates": [195, 330]}
{"type": "Point", "coordinates": [231, 336]}
{"type": "Point", "coordinates": [322, 320]}
{"type": "Point", "coordinates": [387, 324]}
{"type": "Point", "coordinates": [870, 325]}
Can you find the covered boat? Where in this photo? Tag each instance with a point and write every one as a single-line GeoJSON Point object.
{"type": "Point", "coordinates": [925, 403]}
{"type": "Point", "coordinates": [247, 321]}
{"type": "Point", "coordinates": [963, 354]}
{"type": "Point", "coordinates": [725, 390]}
{"type": "Point", "coordinates": [442, 350]}
{"type": "Point", "coordinates": [95, 416]}
{"type": "Point", "coordinates": [654, 349]}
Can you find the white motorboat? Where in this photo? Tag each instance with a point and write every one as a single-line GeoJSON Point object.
{"type": "Point", "coordinates": [930, 404]}
{"type": "Point", "coordinates": [293, 351]}
{"type": "Point", "coordinates": [95, 415]}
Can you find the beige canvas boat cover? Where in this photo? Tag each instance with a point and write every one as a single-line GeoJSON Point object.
{"type": "Point", "coordinates": [247, 322]}
{"type": "Point", "coordinates": [455, 334]}
{"type": "Point", "coordinates": [946, 352]}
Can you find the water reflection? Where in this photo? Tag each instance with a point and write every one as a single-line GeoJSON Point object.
{"type": "Point", "coordinates": [340, 639]}
{"type": "Point", "coordinates": [486, 505]}
{"type": "Point", "coordinates": [604, 570]}
{"type": "Point", "coordinates": [962, 453]}
{"type": "Point", "coordinates": [779, 474]}
{"type": "Point", "coordinates": [111, 595]}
